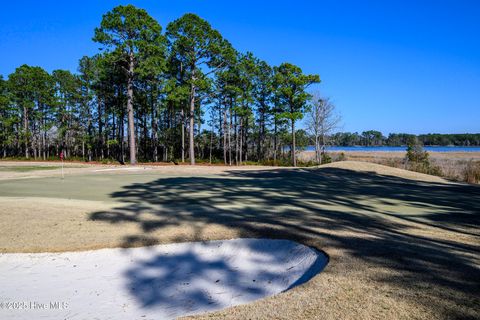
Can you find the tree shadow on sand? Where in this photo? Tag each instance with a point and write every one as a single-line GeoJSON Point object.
{"type": "Point", "coordinates": [370, 216]}
{"type": "Point", "coordinates": [189, 281]}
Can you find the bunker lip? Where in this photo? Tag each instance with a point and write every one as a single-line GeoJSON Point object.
{"type": "Point", "coordinates": [162, 281]}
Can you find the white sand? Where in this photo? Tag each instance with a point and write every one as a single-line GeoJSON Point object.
{"type": "Point", "coordinates": [159, 282]}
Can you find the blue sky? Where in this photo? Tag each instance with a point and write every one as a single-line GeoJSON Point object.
{"type": "Point", "coordinates": [394, 66]}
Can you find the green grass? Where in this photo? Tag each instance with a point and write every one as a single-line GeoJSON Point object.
{"type": "Point", "coordinates": [27, 168]}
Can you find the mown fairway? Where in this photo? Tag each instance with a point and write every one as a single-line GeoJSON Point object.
{"type": "Point", "coordinates": [27, 168]}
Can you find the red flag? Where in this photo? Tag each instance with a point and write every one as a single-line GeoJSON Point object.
{"type": "Point", "coordinates": [61, 155]}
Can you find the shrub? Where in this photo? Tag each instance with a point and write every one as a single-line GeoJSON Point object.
{"type": "Point", "coordinates": [108, 161]}
{"type": "Point", "coordinates": [415, 153]}
{"type": "Point", "coordinates": [417, 159]}
{"type": "Point", "coordinates": [281, 162]}
{"type": "Point", "coordinates": [310, 163]}
{"type": "Point", "coordinates": [471, 172]}
{"type": "Point", "coordinates": [341, 157]}
{"type": "Point", "coordinates": [251, 163]}
{"type": "Point", "coordinates": [326, 158]}
{"type": "Point", "coordinates": [435, 170]}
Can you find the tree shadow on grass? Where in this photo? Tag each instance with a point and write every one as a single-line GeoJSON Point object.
{"type": "Point", "coordinates": [378, 219]}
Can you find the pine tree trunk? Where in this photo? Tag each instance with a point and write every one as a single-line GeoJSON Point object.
{"type": "Point", "coordinates": [211, 143]}
{"type": "Point", "coordinates": [131, 125]}
{"type": "Point", "coordinates": [235, 136]}
{"type": "Point", "coordinates": [44, 143]}
{"type": "Point", "coordinates": [230, 136]}
{"type": "Point", "coordinates": [182, 115]}
{"type": "Point", "coordinates": [240, 142]}
{"type": "Point", "coordinates": [261, 137]}
{"type": "Point", "coordinates": [225, 135]}
{"type": "Point", "coordinates": [220, 126]}
{"type": "Point", "coordinates": [100, 127]}
{"type": "Point", "coordinates": [275, 142]}
{"type": "Point", "coordinates": [25, 129]}
{"type": "Point", "coordinates": [192, 125]}
{"type": "Point", "coordinates": [294, 159]}
{"type": "Point", "coordinates": [122, 137]}
{"type": "Point", "coordinates": [245, 139]}
{"type": "Point", "coordinates": [154, 135]}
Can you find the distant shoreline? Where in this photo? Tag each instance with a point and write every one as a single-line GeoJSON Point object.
{"type": "Point", "coordinates": [396, 148]}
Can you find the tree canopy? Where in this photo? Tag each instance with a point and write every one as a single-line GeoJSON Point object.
{"type": "Point", "coordinates": [199, 50]}
{"type": "Point", "coordinates": [146, 91]}
{"type": "Point", "coordinates": [291, 86]}
{"type": "Point", "coordinates": [135, 39]}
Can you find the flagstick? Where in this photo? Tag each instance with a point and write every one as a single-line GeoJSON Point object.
{"type": "Point", "coordinates": [62, 170]}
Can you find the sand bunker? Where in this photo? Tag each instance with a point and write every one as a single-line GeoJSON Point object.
{"type": "Point", "coordinates": [158, 282]}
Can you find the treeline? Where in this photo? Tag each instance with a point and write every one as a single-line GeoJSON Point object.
{"type": "Point", "coordinates": [156, 96]}
{"type": "Point", "coordinates": [376, 138]}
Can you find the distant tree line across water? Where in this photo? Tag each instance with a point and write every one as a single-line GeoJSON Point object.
{"type": "Point", "coordinates": [376, 138]}
{"type": "Point", "coordinates": [183, 94]}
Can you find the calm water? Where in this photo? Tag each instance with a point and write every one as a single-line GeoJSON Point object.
{"type": "Point", "coordinates": [400, 149]}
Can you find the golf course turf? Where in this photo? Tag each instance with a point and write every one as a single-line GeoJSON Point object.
{"type": "Point", "coordinates": [400, 246]}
